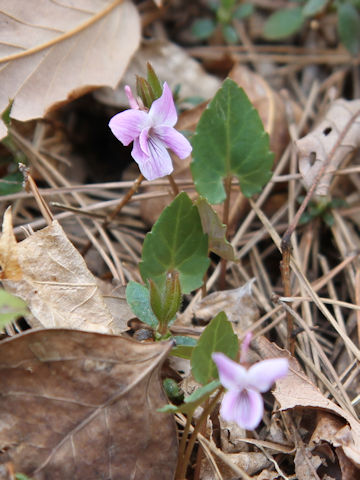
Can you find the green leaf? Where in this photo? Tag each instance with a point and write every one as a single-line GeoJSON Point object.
{"type": "Point", "coordinates": [230, 34]}
{"type": "Point", "coordinates": [11, 183]}
{"type": "Point", "coordinates": [349, 27]}
{"type": "Point", "coordinates": [312, 7]}
{"type": "Point", "coordinates": [21, 476]}
{"type": "Point", "coordinates": [230, 140]}
{"type": "Point", "coordinates": [203, 28]}
{"type": "Point", "coordinates": [154, 81]}
{"type": "Point", "coordinates": [194, 400]}
{"type": "Point", "coordinates": [184, 347]}
{"type": "Point", "coordinates": [283, 23]}
{"type": "Point", "coordinates": [216, 230]}
{"type": "Point", "coordinates": [11, 308]}
{"type": "Point", "coordinates": [138, 297]}
{"type": "Point", "coordinates": [218, 336]}
{"type": "Point", "coordinates": [244, 11]}
{"type": "Point", "coordinates": [176, 243]}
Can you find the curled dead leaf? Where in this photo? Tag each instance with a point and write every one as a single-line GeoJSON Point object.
{"type": "Point", "coordinates": [238, 304]}
{"type": "Point", "coordinates": [50, 275]}
{"type": "Point", "coordinates": [91, 407]}
{"type": "Point", "coordinates": [296, 390]}
{"type": "Point", "coordinates": [316, 146]}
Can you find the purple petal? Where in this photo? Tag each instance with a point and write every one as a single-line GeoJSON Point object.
{"type": "Point", "coordinates": [163, 111]}
{"type": "Point", "coordinates": [157, 164]}
{"type": "Point", "coordinates": [263, 374]}
{"type": "Point", "coordinates": [246, 408]}
{"type": "Point", "coordinates": [173, 140]}
{"type": "Point", "coordinates": [232, 375]}
{"type": "Point", "coordinates": [249, 409]}
{"type": "Point", "coordinates": [132, 101]}
{"type": "Point", "coordinates": [127, 125]}
{"type": "Point", "coordinates": [144, 141]}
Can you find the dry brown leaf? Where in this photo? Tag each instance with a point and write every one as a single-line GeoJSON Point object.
{"type": "Point", "coordinates": [251, 462]}
{"type": "Point", "coordinates": [80, 405]}
{"type": "Point", "coordinates": [238, 304]}
{"type": "Point", "coordinates": [296, 390]}
{"type": "Point", "coordinates": [328, 428]}
{"type": "Point", "coordinates": [315, 147]}
{"type": "Point", "coordinates": [58, 51]}
{"type": "Point", "coordinates": [306, 464]}
{"type": "Point", "coordinates": [50, 275]}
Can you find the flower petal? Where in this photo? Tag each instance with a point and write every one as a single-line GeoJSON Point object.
{"type": "Point", "coordinates": [162, 110]}
{"type": "Point", "coordinates": [263, 374]}
{"type": "Point", "coordinates": [249, 409]}
{"type": "Point", "coordinates": [127, 125]}
{"type": "Point", "coordinates": [173, 140]}
{"type": "Point", "coordinates": [231, 374]}
{"type": "Point", "coordinates": [246, 408]}
{"type": "Point", "coordinates": [228, 405]}
{"type": "Point", "coordinates": [157, 164]}
{"type": "Point", "coordinates": [144, 141]}
{"type": "Point", "coordinates": [132, 101]}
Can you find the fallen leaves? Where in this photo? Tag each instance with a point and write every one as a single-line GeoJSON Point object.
{"type": "Point", "coordinates": [297, 391]}
{"type": "Point", "coordinates": [57, 52]}
{"type": "Point", "coordinates": [91, 407]}
{"type": "Point", "coordinates": [50, 275]}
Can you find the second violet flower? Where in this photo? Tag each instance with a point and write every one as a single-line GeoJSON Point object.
{"type": "Point", "coordinates": [152, 133]}
{"type": "Point", "coordinates": [243, 403]}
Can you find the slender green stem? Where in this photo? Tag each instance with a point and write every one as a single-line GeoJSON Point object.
{"type": "Point", "coordinates": [184, 461]}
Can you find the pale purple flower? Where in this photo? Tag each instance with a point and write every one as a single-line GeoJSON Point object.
{"type": "Point", "coordinates": [243, 403]}
{"type": "Point", "coordinates": [152, 133]}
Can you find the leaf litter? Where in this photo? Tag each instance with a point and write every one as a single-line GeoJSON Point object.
{"type": "Point", "coordinates": [314, 424]}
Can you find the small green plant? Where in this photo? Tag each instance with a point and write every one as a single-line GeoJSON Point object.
{"type": "Point", "coordinates": [321, 209]}
{"type": "Point", "coordinates": [224, 12]}
{"type": "Point", "coordinates": [285, 22]}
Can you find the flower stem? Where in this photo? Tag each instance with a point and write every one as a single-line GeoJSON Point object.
{"type": "Point", "coordinates": [185, 459]}
{"type": "Point", "coordinates": [173, 185]}
{"type": "Point", "coordinates": [183, 443]}
{"type": "Point", "coordinates": [225, 222]}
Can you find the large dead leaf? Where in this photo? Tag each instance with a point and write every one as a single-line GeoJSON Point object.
{"type": "Point", "coordinates": [59, 50]}
{"type": "Point", "coordinates": [79, 405]}
{"type": "Point", "coordinates": [315, 147]}
{"type": "Point", "coordinates": [296, 390]}
{"type": "Point", "coordinates": [50, 275]}
{"type": "Point", "coordinates": [238, 304]}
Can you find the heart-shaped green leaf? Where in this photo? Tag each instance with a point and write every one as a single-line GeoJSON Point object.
{"type": "Point", "coordinates": [230, 140]}
{"type": "Point", "coordinates": [218, 336]}
{"type": "Point", "coordinates": [176, 243]}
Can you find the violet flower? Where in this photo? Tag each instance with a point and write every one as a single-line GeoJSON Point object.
{"type": "Point", "coordinates": [152, 133]}
{"type": "Point", "coordinates": [243, 403]}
